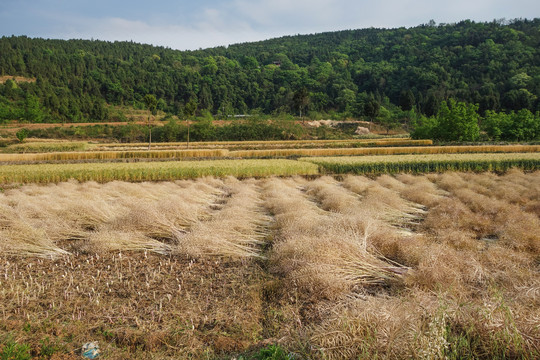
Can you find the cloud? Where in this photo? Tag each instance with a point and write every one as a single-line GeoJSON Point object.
{"type": "Point", "coordinates": [279, 13]}
{"type": "Point", "coordinates": [208, 23]}
{"type": "Point", "coordinates": [322, 15]}
{"type": "Point", "coordinates": [201, 35]}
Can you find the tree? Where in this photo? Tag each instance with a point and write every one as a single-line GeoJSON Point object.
{"type": "Point", "coordinates": [171, 130]}
{"type": "Point", "coordinates": [371, 109]}
{"type": "Point", "coordinates": [301, 99]}
{"type": "Point", "coordinates": [22, 134]}
{"type": "Point", "coordinates": [525, 125]}
{"type": "Point", "coordinates": [203, 128]}
{"type": "Point", "coordinates": [457, 121]}
{"type": "Point", "coordinates": [151, 104]}
{"type": "Point", "coordinates": [432, 105]}
{"type": "Point", "coordinates": [387, 120]}
{"type": "Point", "coordinates": [32, 109]}
{"type": "Point", "coordinates": [406, 100]}
{"type": "Point", "coordinates": [496, 125]}
{"type": "Point", "coordinates": [423, 127]}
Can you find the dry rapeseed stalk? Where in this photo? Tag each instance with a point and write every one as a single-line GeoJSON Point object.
{"type": "Point", "coordinates": [237, 230]}
{"type": "Point", "coordinates": [325, 254]}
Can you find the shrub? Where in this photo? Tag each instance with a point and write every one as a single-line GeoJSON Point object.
{"type": "Point", "coordinates": [22, 134]}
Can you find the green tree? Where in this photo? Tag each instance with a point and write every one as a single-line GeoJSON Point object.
{"type": "Point", "coordinates": [372, 108]}
{"type": "Point", "coordinates": [301, 100]}
{"type": "Point", "coordinates": [406, 100]}
{"type": "Point", "coordinates": [22, 134]}
{"type": "Point", "coordinates": [203, 128]}
{"type": "Point", "coordinates": [432, 105]}
{"type": "Point", "coordinates": [424, 127]}
{"type": "Point", "coordinates": [457, 121]}
{"type": "Point", "coordinates": [387, 119]}
{"type": "Point", "coordinates": [32, 109]}
{"type": "Point", "coordinates": [525, 126]}
{"type": "Point", "coordinates": [171, 130]}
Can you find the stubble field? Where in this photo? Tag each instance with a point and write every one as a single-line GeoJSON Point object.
{"type": "Point", "coordinates": [395, 267]}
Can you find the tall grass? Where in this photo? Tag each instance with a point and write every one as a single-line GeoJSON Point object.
{"type": "Point", "coordinates": [427, 163]}
{"type": "Point", "coordinates": [152, 171]}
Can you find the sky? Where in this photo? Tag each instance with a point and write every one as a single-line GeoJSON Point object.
{"type": "Point", "coordinates": [194, 24]}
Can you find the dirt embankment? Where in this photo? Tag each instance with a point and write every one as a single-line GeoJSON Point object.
{"type": "Point", "coordinates": [16, 126]}
{"type": "Point", "coordinates": [18, 79]}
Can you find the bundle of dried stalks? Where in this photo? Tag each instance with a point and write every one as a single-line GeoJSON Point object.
{"type": "Point", "coordinates": [70, 211]}
{"type": "Point", "coordinates": [109, 240]}
{"type": "Point", "coordinates": [393, 209]}
{"type": "Point", "coordinates": [21, 239]}
{"type": "Point", "coordinates": [420, 190]}
{"type": "Point", "coordinates": [389, 327]}
{"type": "Point", "coordinates": [236, 230]}
{"type": "Point", "coordinates": [324, 254]}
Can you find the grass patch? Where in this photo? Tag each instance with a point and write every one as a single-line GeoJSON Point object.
{"type": "Point", "coordinates": [11, 350]}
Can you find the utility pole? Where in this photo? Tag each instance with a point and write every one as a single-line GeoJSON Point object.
{"type": "Point", "coordinates": [151, 105]}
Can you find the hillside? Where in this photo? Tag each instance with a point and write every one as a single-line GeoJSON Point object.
{"type": "Point", "coordinates": [495, 65]}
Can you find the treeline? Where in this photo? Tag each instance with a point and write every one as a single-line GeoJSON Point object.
{"type": "Point", "coordinates": [338, 74]}
{"type": "Point", "coordinates": [203, 129]}
{"type": "Point", "coordinates": [459, 121]}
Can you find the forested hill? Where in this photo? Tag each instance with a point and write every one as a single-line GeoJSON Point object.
{"type": "Point", "coordinates": [495, 65]}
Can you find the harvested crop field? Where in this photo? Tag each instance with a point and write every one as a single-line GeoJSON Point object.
{"type": "Point", "coordinates": [392, 267]}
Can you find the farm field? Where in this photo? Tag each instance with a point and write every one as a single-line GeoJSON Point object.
{"type": "Point", "coordinates": [248, 248]}
{"type": "Point", "coordinates": [189, 169]}
{"type": "Point", "coordinates": [393, 267]}
{"type": "Point", "coordinates": [49, 145]}
{"type": "Point", "coordinates": [425, 163]}
{"type": "Point", "coordinates": [260, 153]}
{"type": "Point", "coordinates": [153, 171]}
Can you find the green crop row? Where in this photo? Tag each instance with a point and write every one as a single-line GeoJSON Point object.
{"type": "Point", "coordinates": [426, 163]}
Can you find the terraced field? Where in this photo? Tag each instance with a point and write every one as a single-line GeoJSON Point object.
{"type": "Point", "coordinates": [394, 267]}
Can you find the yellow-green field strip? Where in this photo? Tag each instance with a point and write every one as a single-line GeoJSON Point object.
{"type": "Point", "coordinates": [266, 153]}
{"type": "Point", "coordinates": [44, 146]}
{"type": "Point", "coordinates": [273, 143]}
{"type": "Point", "coordinates": [153, 171]}
{"type": "Point", "coordinates": [115, 155]}
{"type": "Point", "coordinates": [426, 163]}
{"type": "Point", "coordinates": [386, 151]}
{"type": "Point", "coordinates": [47, 146]}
